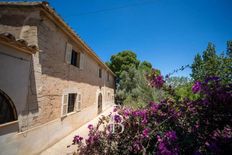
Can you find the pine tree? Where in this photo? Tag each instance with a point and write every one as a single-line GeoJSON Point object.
{"type": "Point", "coordinates": [211, 64]}
{"type": "Point", "coordinates": [197, 67]}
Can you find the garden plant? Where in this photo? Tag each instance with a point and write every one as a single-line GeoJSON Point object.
{"type": "Point", "coordinates": [201, 126]}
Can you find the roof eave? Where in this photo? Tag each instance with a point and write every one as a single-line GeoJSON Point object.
{"type": "Point", "coordinates": [4, 40]}
{"type": "Point", "coordinates": [56, 18]}
{"type": "Point", "coordinates": [60, 22]}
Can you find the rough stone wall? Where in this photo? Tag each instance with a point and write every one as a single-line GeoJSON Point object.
{"type": "Point", "coordinates": [22, 23]}
{"type": "Point", "coordinates": [50, 76]}
{"type": "Point", "coordinates": [57, 75]}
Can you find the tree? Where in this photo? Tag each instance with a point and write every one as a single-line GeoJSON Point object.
{"type": "Point", "coordinates": [146, 66]}
{"type": "Point", "coordinates": [176, 81]}
{"type": "Point", "coordinates": [209, 53]}
{"type": "Point", "coordinates": [182, 87]}
{"type": "Point", "coordinates": [201, 126]}
{"type": "Point", "coordinates": [211, 64]}
{"type": "Point", "coordinates": [133, 89]}
{"type": "Point", "coordinates": [123, 61]}
{"type": "Point", "coordinates": [197, 71]}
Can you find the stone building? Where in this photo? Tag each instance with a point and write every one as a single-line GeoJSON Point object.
{"type": "Point", "coordinates": [51, 82]}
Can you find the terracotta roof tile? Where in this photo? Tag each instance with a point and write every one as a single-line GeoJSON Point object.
{"type": "Point", "coordinates": [8, 38]}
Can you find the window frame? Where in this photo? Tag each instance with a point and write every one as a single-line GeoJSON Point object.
{"type": "Point", "coordinates": [100, 72]}
{"type": "Point", "coordinates": [11, 109]}
{"type": "Point", "coordinates": [71, 102]}
{"type": "Point", "coordinates": [77, 61]}
{"type": "Point", "coordinates": [73, 58]}
{"type": "Point", "coordinates": [65, 103]}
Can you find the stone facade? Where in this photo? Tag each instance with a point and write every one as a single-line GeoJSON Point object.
{"type": "Point", "coordinates": [40, 118]}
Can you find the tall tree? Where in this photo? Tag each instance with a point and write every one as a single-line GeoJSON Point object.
{"type": "Point", "coordinates": [122, 62]}
{"type": "Point", "coordinates": [211, 64]}
{"type": "Point", "coordinates": [134, 90]}
{"type": "Point", "coordinates": [146, 66]}
{"type": "Point", "coordinates": [209, 53]}
{"type": "Point", "coordinates": [132, 85]}
{"type": "Point", "coordinates": [197, 70]}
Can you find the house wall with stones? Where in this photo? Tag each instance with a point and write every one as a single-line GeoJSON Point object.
{"type": "Point", "coordinates": [50, 77]}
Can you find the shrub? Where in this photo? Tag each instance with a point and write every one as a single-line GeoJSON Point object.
{"type": "Point", "coordinates": [202, 126]}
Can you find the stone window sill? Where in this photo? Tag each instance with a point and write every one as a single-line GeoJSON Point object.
{"type": "Point", "coordinates": [8, 124]}
{"type": "Point", "coordinates": [71, 113]}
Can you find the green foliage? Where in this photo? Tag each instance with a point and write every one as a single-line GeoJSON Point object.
{"type": "Point", "coordinates": [197, 70]}
{"type": "Point", "coordinates": [123, 61]}
{"type": "Point", "coordinates": [211, 64]}
{"type": "Point", "coordinates": [185, 92]}
{"type": "Point", "coordinates": [192, 127]}
{"type": "Point", "coordinates": [145, 66]}
{"type": "Point", "coordinates": [134, 90]}
{"type": "Point", "coordinates": [182, 87]}
{"type": "Point", "coordinates": [132, 87]}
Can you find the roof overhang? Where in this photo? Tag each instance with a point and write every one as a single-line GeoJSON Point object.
{"type": "Point", "coordinates": [53, 16]}
{"type": "Point", "coordinates": [60, 22]}
{"type": "Point", "coordinates": [8, 39]}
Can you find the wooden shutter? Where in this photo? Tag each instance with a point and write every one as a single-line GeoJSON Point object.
{"type": "Point", "coordinates": [78, 102]}
{"type": "Point", "coordinates": [82, 60]}
{"type": "Point", "coordinates": [68, 53]}
{"type": "Point", "coordinates": [64, 109]}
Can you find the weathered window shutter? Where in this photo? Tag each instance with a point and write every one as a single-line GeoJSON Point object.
{"type": "Point", "coordinates": [64, 108]}
{"type": "Point", "coordinates": [82, 60]}
{"type": "Point", "coordinates": [78, 102]}
{"type": "Point", "coordinates": [68, 54]}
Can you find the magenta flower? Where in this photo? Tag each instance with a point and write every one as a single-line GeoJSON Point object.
{"type": "Point", "coordinates": [127, 112]}
{"type": "Point", "coordinates": [196, 87]}
{"type": "Point", "coordinates": [154, 106]}
{"type": "Point", "coordinates": [92, 138]}
{"type": "Point", "coordinates": [146, 133]}
{"type": "Point", "coordinates": [140, 113]}
{"type": "Point", "coordinates": [77, 139]}
{"type": "Point", "coordinates": [157, 81]}
{"type": "Point", "coordinates": [117, 118]}
{"type": "Point", "coordinates": [163, 149]}
{"type": "Point", "coordinates": [115, 109]}
{"type": "Point", "coordinates": [171, 135]}
{"type": "Point", "coordinates": [90, 127]}
{"type": "Point", "coordinates": [144, 121]}
{"type": "Point", "coordinates": [137, 146]}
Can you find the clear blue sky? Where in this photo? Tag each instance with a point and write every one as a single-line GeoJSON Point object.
{"type": "Point", "coordinates": [167, 33]}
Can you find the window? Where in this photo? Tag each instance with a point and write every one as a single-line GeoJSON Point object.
{"type": "Point", "coordinates": [100, 73]}
{"type": "Point", "coordinates": [75, 59]}
{"type": "Point", "coordinates": [7, 109]}
{"type": "Point", "coordinates": [71, 102]}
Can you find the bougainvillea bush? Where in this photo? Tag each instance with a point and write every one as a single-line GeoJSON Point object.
{"type": "Point", "coordinates": [202, 126]}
